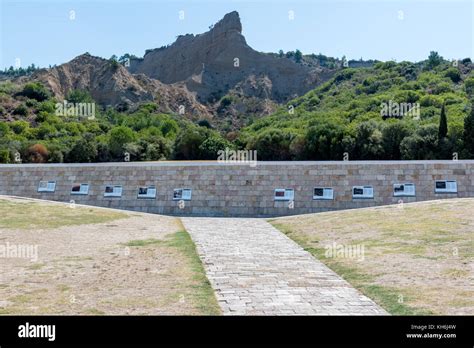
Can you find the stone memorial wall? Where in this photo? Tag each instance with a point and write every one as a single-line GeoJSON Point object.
{"type": "Point", "coordinates": [232, 189]}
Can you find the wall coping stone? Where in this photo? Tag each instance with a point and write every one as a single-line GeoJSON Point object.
{"type": "Point", "coordinates": [223, 164]}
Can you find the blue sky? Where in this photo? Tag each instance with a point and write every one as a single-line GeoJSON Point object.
{"type": "Point", "coordinates": [42, 32]}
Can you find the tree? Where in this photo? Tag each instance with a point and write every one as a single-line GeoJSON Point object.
{"type": "Point", "coordinates": [103, 152]}
{"type": "Point", "coordinates": [211, 146]}
{"type": "Point", "coordinates": [392, 136]}
{"type": "Point", "coordinates": [324, 141]}
{"type": "Point", "coordinates": [434, 59]}
{"type": "Point", "coordinates": [134, 150]}
{"type": "Point", "coordinates": [187, 144]}
{"type": "Point", "coordinates": [114, 64]}
{"type": "Point", "coordinates": [422, 145]}
{"type": "Point", "coordinates": [56, 156]}
{"type": "Point", "coordinates": [118, 137]}
{"type": "Point", "coordinates": [297, 147]}
{"type": "Point", "coordinates": [158, 148]}
{"type": "Point", "coordinates": [443, 124]}
{"type": "Point", "coordinates": [369, 141]}
{"type": "Point", "coordinates": [468, 134]}
{"type": "Point", "coordinates": [84, 150]}
{"type": "Point", "coordinates": [126, 58]}
{"type": "Point", "coordinates": [344, 61]}
{"type": "Point", "coordinates": [272, 144]}
{"type": "Point", "coordinates": [298, 56]}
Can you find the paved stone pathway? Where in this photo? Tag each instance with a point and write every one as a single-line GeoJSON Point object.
{"type": "Point", "coordinates": [257, 270]}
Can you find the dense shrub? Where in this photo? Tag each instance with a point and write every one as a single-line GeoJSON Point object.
{"type": "Point", "coordinates": [21, 110]}
{"type": "Point", "coordinates": [453, 74]}
{"type": "Point", "coordinates": [392, 135]}
{"type": "Point", "coordinates": [421, 145]}
{"type": "Point", "coordinates": [324, 141]}
{"type": "Point", "coordinates": [272, 144]}
{"type": "Point", "coordinates": [79, 96]}
{"type": "Point", "coordinates": [118, 137]}
{"type": "Point", "coordinates": [35, 90]}
{"type": "Point", "coordinates": [4, 129]}
{"type": "Point", "coordinates": [4, 156]}
{"type": "Point", "coordinates": [84, 150]}
{"type": "Point", "coordinates": [187, 144]}
{"type": "Point", "coordinates": [209, 147]}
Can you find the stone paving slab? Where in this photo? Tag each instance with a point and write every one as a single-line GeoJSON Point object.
{"type": "Point", "coordinates": [257, 270]}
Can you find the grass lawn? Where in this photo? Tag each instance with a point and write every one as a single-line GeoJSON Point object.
{"type": "Point", "coordinates": [93, 261]}
{"type": "Point", "coordinates": [417, 257]}
{"type": "Point", "coordinates": [24, 214]}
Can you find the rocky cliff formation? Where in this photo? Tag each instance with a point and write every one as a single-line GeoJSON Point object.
{"type": "Point", "coordinates": [213, 63]}
{"type": "Point", "coordinates": [196, 71]}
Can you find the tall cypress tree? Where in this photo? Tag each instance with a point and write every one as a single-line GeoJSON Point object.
{"type": "Point", "coordinates": [443, 124]}
{"type": "Point", "coordinates": [468, 134]}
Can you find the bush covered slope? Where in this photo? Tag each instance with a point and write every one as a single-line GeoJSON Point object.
{"type": "Point", "coordinates": [34, 132]}
{"type": "Point", "coordinates": [345, 115]}
{"type": "Point", "coordinates": [351, 115]}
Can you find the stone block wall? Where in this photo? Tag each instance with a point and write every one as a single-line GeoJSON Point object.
{"type": "Point", "coordinates": [222, 189]}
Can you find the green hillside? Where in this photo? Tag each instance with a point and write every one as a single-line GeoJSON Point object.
{"type": "Point", "coordinates": [344, 115]}
{"type": "Point", "coordinates": [352, 115]}
{"type": "Point", "coordinates": [31, 131]}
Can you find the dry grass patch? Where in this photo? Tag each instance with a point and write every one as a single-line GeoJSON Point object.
{"type": "Point", "coordinates": [140, 264]}
{"type": "Point", "coordinates": [418, 257]}
{"type": "Point", "coordinates": [25, 214]}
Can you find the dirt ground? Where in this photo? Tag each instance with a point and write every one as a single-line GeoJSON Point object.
{"type": "Point", "coordinates": [100, 261]}
{"type": "Point", "coordinates": [418, 258]}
